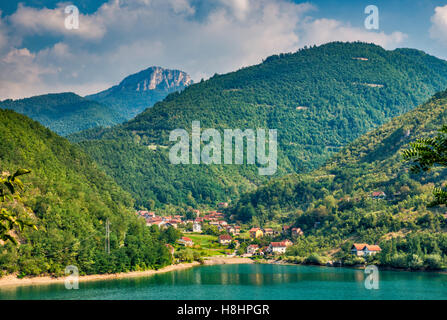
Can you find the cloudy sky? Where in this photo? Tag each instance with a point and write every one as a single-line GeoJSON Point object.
{"type": "Point", "coordinates": [115, 38]}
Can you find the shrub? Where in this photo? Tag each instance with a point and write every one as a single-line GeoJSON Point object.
{"type": "Point", "coordinates": [433, 261]}
{"type": "Point", "coordinates": [399, 260]}
{"type": "Point", "coordinates": [316, 259]}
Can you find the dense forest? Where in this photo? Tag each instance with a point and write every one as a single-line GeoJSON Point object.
{"type": "Point", "coordinates": [69, 200]}
{"type": "Point", "coordinates": [342, 202]}
{"type": "Point", "coordinates": [319, 99]}
{"type": "Point", "coordinates": [65, 113]}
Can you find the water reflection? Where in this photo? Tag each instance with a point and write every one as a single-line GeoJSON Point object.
{"type": "Point", "coordinates": [248, 282]}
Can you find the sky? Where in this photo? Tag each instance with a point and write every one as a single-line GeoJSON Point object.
{"type": "Point", "coordinates": [115, 38]}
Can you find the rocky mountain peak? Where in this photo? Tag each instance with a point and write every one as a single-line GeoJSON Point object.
{"type": "Point", "coordinates": [156, 78]}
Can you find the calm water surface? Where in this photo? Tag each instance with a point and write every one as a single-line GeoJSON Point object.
{"type": "Point", "coordinates": [258, 281]}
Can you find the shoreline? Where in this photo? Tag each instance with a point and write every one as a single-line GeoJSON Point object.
{"type": "Point", "coordinates": [13, 281]}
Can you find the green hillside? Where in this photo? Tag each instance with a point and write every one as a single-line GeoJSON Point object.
{"type": "Point", "coordinates": [335, 206]}
{"type": "Point", "coordinates": [71, 199]}
{"type": "Point", "coordinates": [319, 99]}
{"type": "Point", "coordinates": [65, 113]}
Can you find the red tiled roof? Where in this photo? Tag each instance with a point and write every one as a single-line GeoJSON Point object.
{"type": "Point", "coordinates": [225, 237]}
{"type": "Point", "coordinates": [186, 239]}
{"type": "Point", "coordinates": [373, 248]}
{"type": "Point", "coordinates": [254, 229]}
{"type": "Point", "coordinates": [277, 244]}
{"type": "Point", "coordinates": [360, 246]}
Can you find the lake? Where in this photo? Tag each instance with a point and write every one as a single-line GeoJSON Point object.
{"type": "Point", "coordinates": [256, 281]}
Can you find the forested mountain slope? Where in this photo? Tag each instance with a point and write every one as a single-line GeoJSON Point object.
{"type": "Point", "coordinates": [319, 99]}
{"type": "Point", "coordinates": [364, 194]}
{"type": "Point", "coordinates": [64, 113]}
{"type": "Point", "coordinates": [71, 199]}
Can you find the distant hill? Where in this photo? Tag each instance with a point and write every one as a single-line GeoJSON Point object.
{"type": "Point", "coordinates": [142, 90]}
{"type": "Point", "coordinates": [71, 199]}
{"type": "Point", "coordinates": [67, 113]}
{"type": "Point", "coordinates": [64, 113]}
{"type": "Point", "coordinates": [319, 99]}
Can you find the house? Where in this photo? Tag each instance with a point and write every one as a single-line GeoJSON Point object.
{"type": "Point", "coordinates": [357, 249]}
{"type": "Point", "coordinates": [287, 243]}
{"type": "Point", "coordinates": [268, 232]}
{"type": "Point", "coordinates": [285, 229]}
{"type": "Point", "coordinates": [170, 224]}
{"type": "Point", "coordinates": [364, 249]}
{"type": "Point", "coordinates": [371, 250]}
{"type": "Point", "coordinates": [225, 239]}
{"type": "Point", "coordinates": [223, 205]}
{"type": "Point", "coordinates": [256, 233]}
{"type": "Point", "coordinates": [196, 227]}
{"type": "Point", "coordinates": [251, 249]}
{"type": "Point", "coordinates": [237, 230]}
{"type": "Point", "coordinates": [187, 242]}
{"type": "Point", "coordinates": [378, 195]}
{"type": "Point", "coordinates": [231, 230]}
{"type": "Point", "coordinates": [277, 247]}
{"type": "Point", "coordinates": [296, 232]}
{"type": "Point", "coordinates": [146, 214]}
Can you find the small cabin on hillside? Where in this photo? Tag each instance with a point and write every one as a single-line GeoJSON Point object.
{"type": "Point", "coordinates": [378, 195]}
{"type": "Point", "coordinates": [225, 239]}
{"type": "Point", "coordinates": [364, 249]}
{"type": "Point", "coordinates": [187, 242]}
{"type": "Point", "coordinates": [256, 233]}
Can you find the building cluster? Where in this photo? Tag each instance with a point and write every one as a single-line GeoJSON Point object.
{"type": "Point", "coordinates": [217, 219]}
{"type": "Point", "coordinates": [274, 248]}
{"type": "Point", "coordinates": [213, 218]}
{"type": "Point", "coordinates": [257, 233]}
{"type": "Point", "coordinates": [161, 221]}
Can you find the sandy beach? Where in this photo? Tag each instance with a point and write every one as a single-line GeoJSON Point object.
{"type": "Point", "coordinates": [12, 280]}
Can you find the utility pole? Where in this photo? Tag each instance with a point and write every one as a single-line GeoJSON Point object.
{"type": "Point", "coordinates": [107, 242]}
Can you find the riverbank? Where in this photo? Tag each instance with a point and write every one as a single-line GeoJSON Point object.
{"type": "Point", "coordinates": [12, 280]}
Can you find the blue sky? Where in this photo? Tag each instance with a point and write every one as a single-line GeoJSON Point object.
{"type": "Point", "coordinates": [119, 37]}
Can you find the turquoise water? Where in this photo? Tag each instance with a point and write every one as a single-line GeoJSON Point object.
{"type": "Point", "coordinates": [258, 281]}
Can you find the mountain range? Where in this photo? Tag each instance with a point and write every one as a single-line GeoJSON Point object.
{"type": "Point", "coordinates": [67, 113]}
{"type": "Point", "coordinates": [343, 111]}
{"type": "Point", "coordinates": [319, 99]}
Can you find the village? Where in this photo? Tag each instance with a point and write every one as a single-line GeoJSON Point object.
{"type": "Point", "coordinates": [212, 234]}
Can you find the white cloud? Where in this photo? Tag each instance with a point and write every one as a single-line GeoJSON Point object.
{"type": "Point", "coordinates": [438, 29]}
{"type": "Point", "coordinates": [325, 30]}
{"type": "Point", "coordinates": [124, 37]}
{"type": "Point", "coordinates": [31, 21]}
